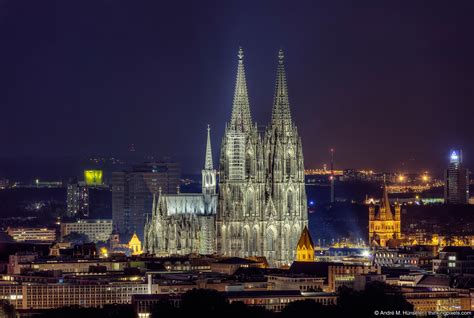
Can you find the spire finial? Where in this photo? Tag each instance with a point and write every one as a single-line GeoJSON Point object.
{"type": "Point", "coordinates": [281, 56]}
{"type": "Point", "coordinates": [240, 54]}
{"type": "Point", "coordinates": [281, 114]}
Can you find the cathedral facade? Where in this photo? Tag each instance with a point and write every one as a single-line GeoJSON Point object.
{"type": "Point", "coordinates": [262, 200]}
{"type": "Point", "coordinates": [185, 223]}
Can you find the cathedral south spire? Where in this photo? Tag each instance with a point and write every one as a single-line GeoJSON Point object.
{"type": "Point", "coordinates": [241, 119]}
{"type": "Point", "coordinates": [281, 115]}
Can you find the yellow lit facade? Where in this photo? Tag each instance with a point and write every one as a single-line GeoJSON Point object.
{"type": "Point", "coordinates": [384, 225]}
{"type": "Point", "coordinates": [135, 245]}
{"type": "Point", "coordinates": [305, 247]}
{"type": "Point", "coordinates": [93, 177]}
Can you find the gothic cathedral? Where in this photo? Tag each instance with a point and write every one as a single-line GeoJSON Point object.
{"type": "Point", "coordinates": [262, 200]}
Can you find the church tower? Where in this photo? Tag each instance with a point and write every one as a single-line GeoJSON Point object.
{"type": "Point", "coordinates": [384, 225]}
{"type": "Point", "coordinates": [285, 187]}
{"type": "Point", "coordinates": [208, 173]}
{"type": "Point", "coordinates": [241, 179]}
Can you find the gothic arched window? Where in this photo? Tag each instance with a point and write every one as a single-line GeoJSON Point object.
{"type": "Point", "coordinates": [290, 202]}
{"type": "Point", "coordinates": [288, 165]}
{"type": "Point", "coordinates": [294, 238]}
{"type": "Point", "coordinates": [248, 164]}
{"type": "Point", "coordinates": [270, 240]}
{"type": "Point", "coordinates": [254, 243]}
{"type": "Point", "coordinates": [287, 240]}
{"type": "Point", "coordinates": [246, 242]}
{"type": "Point", "coordinates": [250, 204]}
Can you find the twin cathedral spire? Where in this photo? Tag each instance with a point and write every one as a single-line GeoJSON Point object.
{"type": "Point", "coordinates": [241, 119]}
{"type": "Point", "coordinates": [262, 199]}
{"type": "Point", "coordinates": [260, 209]}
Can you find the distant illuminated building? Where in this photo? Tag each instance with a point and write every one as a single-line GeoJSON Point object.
{"type": "Point", "coordinates": [133, 191]}
{"type": "Point", "coordinates": [305, 247]}
{"type": "Point", "coordinates": [4, 183]}
{"type": "Point", "coordinates": [93, 177]}
{"type": "Point", "coordinates": [384, 225]}
{"type": "Point", "coordinates": [456, 188]}
{"type": "Point", "coordinates": [96, 230]}
{"type": "Point", "coordinates": [135, 245]}
{"type": "Point", "coordinates": [32, 234]}
{"type": "Point", "coordinates": [77, 199]}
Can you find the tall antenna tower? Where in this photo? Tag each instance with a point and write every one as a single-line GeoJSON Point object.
{"type": "Point", "coordinates": [332, 176]}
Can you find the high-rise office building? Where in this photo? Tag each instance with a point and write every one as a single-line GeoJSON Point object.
{"type": "Point", "coordinates": [132, 194]}
{"type": "Point", "coordinates": [77, 199]}
{"type": "Point", "coordinates": [456, 187]}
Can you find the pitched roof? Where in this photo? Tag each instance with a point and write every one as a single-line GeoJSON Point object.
{"type": "Point", "coordinates": [305, 239]}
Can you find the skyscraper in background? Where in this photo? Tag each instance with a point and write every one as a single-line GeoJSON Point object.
{"type": "Point", "coordinates": [456, 187]}
{"type": "Point", "coordinates": [77, 199]}
{"type": "Point", "coordinates": [132, 194]}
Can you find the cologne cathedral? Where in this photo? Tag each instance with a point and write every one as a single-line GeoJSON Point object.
{"type": "Point", "coordinates": [262, 200]}
{"type": "Point", "coordinates": [260, 209]}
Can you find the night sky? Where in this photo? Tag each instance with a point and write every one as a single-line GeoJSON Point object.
{"type": "Point", "coordinates": [389, 85]}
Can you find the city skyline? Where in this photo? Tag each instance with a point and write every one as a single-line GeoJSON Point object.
{"type": "Point", "coordinates": [236, 158]}
{"type": "Point", "coordinates": [97, 85]}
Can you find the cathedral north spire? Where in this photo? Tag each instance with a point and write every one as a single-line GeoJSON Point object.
{"type": "Point", "coordinates": [281, 115]}
{"type": "Point", "coordinates": [241, 119]}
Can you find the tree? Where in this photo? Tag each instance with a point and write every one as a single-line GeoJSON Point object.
{"type": "Point", "coordinates": [164, 309]}
{"type": "Point", "coordinates": [377, 296]}
{"type": "Point", "coordinates": [76, 238]}
{"type": "Point", "coordinates": [7, 310]}
{"type": "Point", "coordinates": [309, 307]}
